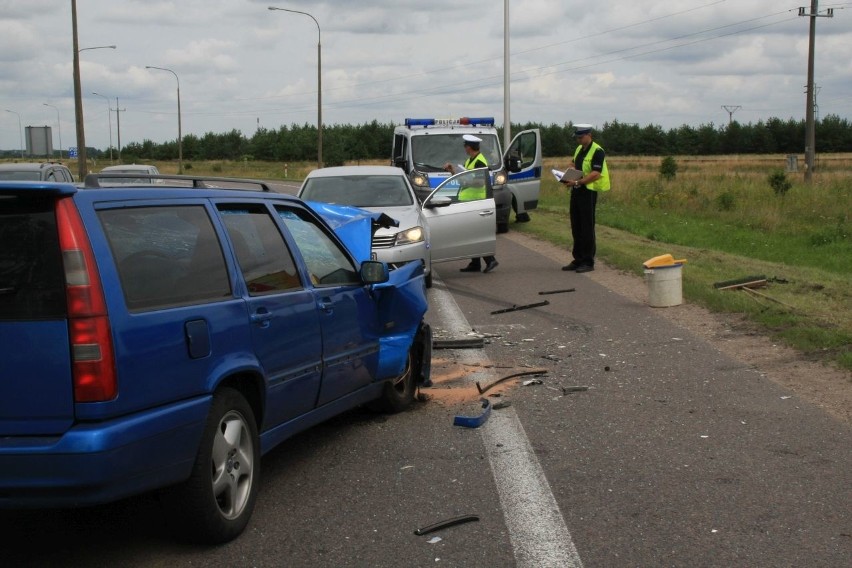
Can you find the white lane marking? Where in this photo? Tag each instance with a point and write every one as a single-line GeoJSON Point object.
{"type": "Point", "coordinates": [537, 529]}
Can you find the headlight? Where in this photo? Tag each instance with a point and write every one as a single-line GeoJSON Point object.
{"type": "Point", "coordinates": [419, 180]}
{"type": "Point", "coordinates": [501, 178]}
{"type": "Point", "coordinates": [412, 235]}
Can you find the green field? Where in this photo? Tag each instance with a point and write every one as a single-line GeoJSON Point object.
{"type": "Point", "coordinates": [723, 215]}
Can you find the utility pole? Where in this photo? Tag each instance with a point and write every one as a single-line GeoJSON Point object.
{"type": "Point", "coordinates": [731, 110]}
{"type": "Point", "coordinates": [118, 126]}
{"type": "Point", "coordinates": [810, 128]}
{"type": "Point", "coordinates": [82, 166]}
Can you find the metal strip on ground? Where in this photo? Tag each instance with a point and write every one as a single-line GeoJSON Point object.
{"type": "Point", "coordinates": [537, 530]}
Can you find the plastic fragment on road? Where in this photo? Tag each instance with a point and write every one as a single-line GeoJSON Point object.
{"type": "Point", "coordinates": [445, 524]}
{"type": "Point", "coordinates": [474, 421]}
{"type": "Point", "coordinates": [482, 389]}
{"type": "Point", "coordinates": [546, 292]}
{"type": "Point", "coordinates": [434, 540]}
{"type": "Point", "coordinates": [532, 382]}
{"type": "Point", "coordinates": [524, 307]}
{"type": "Point", "coordinates": [473, 343]}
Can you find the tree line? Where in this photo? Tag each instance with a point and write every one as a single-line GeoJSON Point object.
{"type": "Point", "coordinates": [372, 141]}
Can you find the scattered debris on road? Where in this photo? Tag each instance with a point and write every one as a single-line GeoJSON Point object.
{"type": "Point", "coordinates": [524, 307]}
{"type": "Point", "coordinates": [533, 382]}
{"type": "Point", "coordinates": [569, 390]}
{"type": "Point", "coordinates": [500, 380]}
{"type": "Point", "coordinates": [474, 421]}
{"type": "Point", "coordinates": [544, 293]}
{"type": "Point", "coordinates": [472, 343]}
{"type": "Point", "coordinates": [445, 524]}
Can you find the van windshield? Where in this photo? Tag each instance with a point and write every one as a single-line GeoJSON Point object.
{"type": "Point", "coordinates": [431, 151]}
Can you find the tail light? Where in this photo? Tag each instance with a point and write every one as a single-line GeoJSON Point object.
{"type": "Point", "coordinates": [93, 359]}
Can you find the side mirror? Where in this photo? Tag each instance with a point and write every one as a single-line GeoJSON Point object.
{"type": "Point", "coordinates": [438, 201]}
{"type": "Point", "coordinates": [374, 272]}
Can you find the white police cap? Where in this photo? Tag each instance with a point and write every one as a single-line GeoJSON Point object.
{"type": "Point", "coordinates": [581, 129]}
{"type": "Point", "coordinates": [471, 139]}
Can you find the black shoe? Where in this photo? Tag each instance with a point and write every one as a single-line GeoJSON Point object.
{"type": "Point", "coordinates": [570, 267]}
{"type": "Point", "coordinates": [584, 268]}
{"type": "Point", "coordinates": [469, 268]}
{"type": "Point", "coordinates": [491, 266]}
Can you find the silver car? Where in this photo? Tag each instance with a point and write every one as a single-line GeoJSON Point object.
{"type": "Point", "coordinates": [135, 173]}
{"type": "Point", "coordinates": [439, 229]}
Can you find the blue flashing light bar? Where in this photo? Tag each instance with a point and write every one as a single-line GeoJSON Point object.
{"type": "Point", "coordinates": [464, 121]}
{"type": "Point", "coordinates": [409, 122]}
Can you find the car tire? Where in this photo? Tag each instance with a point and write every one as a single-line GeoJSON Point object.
{"type": "Point", "coordinates": [398, 394]}
{"type": "Point", "coordinates": [215, 504]}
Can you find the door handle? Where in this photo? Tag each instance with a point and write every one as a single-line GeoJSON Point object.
{"type": "Point", "coordinates": [262, 316]}
{"type": "Point", "coordinates": [326, 305]}
{"type": "Point", "coordinates": [486, 213]}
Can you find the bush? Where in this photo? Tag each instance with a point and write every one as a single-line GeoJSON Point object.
{"type": "Point", "coordinates": [668, 168]}
{"type": "Point", "coordinates": [726, 201]}
{"type": "Point", "coordinates": [779, 183]}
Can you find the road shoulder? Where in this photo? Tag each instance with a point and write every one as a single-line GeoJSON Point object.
{"type": "Point", "coordinates": [827, 387]}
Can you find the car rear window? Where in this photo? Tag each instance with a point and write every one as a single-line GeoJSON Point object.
{"type": "Point", "coordinates": [166, 256]}
{"type": "Point", "coordinates": [32, 281]}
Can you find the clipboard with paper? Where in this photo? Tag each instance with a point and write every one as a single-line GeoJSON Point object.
{"type": "Point", "coordinates": [568, 175]}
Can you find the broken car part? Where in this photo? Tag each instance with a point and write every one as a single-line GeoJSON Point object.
{"type": "Point", "coordinates": [506, 378]}
{"type": "Point", "coordinates": [448, 523]}
{"type": "Point", "coordinates": [474, 421]}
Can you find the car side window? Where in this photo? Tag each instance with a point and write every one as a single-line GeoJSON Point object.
{"type": "Point", "coordinates": [166, 256]}
{"type": "Point", "coordinates": [265, 260]}
{"type": "Point", "coordinates": [327, 263]}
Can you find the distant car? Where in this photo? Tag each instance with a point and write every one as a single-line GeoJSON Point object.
{"type": "Point", "coordinates": [441, 228]}
{"type": "Point", "coordinates": [131, 171]}
{"type": "Point", "coordinates": [36, 171]}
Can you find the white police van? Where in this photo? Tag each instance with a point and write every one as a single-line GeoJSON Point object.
{"type": "Point", "coordinates": [422, 146]}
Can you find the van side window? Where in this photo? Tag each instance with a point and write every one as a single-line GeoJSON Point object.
{"type": "Point", "coordinates": [166, 256]}
{"type": "Point", "coordinates": [327, 263]}
{"type": "Point", "coordinates": [264, 258]}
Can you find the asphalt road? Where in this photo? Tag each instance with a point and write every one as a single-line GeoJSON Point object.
{"type": "Point", "coordinates": [676, 455]}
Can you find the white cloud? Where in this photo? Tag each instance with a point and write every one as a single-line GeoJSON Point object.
{"type": "Point", "coordinates": [241, 65]}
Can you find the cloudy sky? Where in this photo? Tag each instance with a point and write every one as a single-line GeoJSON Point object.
{"type": "Point", "coordinates": [243, 67]}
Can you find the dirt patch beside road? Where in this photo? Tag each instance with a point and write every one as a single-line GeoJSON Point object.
{"type": "Point", "coordinates": [828, 387]}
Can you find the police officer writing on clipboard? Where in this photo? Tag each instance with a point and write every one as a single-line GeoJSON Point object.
{"type": "Point", "coordinates": [475, 159]}
{"type": "Point", "coordinates": [589, 158]}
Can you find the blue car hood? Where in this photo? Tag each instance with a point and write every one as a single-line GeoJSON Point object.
{"type": "Point", "coordinates": [354, 226]}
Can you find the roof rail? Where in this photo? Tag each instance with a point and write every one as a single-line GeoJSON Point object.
{"type": "Point", "coordinates": [125, 179]}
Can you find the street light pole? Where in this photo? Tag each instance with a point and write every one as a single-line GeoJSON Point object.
{"type": "Point", "coordinates": [319, 80]}
{"type": "Point", "coordinates": [20, 131]}
{"type": "Point", "coordinates": [109, 123]}
{"type": "Point", "coordinates": [58, 125]}
{"type": "Point", "coordinates": [180, 134]}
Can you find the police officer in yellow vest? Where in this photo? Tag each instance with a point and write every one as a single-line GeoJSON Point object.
{"type": "Point", "coordinates": [590, 158]}
{"type": "Point", "coordinates": [475, 159]}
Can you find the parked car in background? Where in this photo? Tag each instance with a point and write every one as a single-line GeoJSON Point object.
{"type": "Point", "coordinates": [135, 173]}
{"type": "Point", "coordinates": [438, 229]}
{"type": "Point", "coordinates": [169, 336]}
{"type": "Point", "coordinates": [36, 171]}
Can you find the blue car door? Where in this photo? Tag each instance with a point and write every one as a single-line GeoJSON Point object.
{"type": "Point", "coordinates": [347, 311]}
{"type": "Point", "coordinates": [285, 325]}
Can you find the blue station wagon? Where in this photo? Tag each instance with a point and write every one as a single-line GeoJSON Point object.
{"type": "Point", "coordinates": [167, 336]}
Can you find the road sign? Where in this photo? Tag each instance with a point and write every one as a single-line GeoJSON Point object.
{"type": "Point", "coordinates": [72, 152]}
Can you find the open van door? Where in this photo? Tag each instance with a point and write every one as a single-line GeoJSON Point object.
{"type": "Point", "coordinates": [523, 164]}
